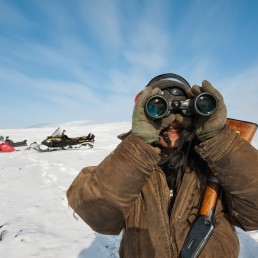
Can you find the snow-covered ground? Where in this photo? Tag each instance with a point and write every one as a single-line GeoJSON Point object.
{"type": "Point", "coordinates": [35, 220]}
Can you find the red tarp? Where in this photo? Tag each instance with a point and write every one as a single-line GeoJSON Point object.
{"type": "Point", "coordinates": [6, 147]}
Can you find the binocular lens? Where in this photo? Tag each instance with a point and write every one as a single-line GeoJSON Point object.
{"type": "Point", "coordinates": [206, 104]}
{"type": "Point", "coordinates": [156, 107]}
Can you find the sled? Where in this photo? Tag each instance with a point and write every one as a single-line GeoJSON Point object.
{"type": "Point", "coordinates": [6, 147]}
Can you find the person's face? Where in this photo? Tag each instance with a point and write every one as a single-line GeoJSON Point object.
{"type": "Point", "coordinates": [179, 122]}
{"type": "Point", "coordinates": [173, 132]}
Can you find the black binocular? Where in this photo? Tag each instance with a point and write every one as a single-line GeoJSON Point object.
{"type": "Point", "coordinates": [158, 106]}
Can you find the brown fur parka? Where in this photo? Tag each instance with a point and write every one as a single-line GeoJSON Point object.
{"type": "Point", "coordinates": [127, 192]}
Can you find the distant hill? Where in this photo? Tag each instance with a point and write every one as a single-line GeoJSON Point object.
{"type": "Point", "coordinates": [38, 125]}
{"type": "Point", "coordinates": [72, 123]}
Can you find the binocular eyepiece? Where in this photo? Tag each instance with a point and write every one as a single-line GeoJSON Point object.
{"type": "Point", "coordinates": [157, 106]}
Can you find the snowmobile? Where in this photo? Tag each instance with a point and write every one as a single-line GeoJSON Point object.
{"type": "Point", "coordinates": [17, 144]}
{"type": "Point", "coordinates": [7, 145]}
{"type": "Point", "coordinates": [59, 141]}
{"type": "Point", "coordinates": [12, 143]}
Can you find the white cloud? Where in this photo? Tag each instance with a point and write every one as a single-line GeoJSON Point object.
{"type": "Point", "coordinates": [241, 94]}
{"type": "Point", "coordinates": [102, 18]}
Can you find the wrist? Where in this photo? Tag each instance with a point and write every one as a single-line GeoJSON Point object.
{"type": "Point", "coordinates": [148, 138]}
{"type": "Point", "coordinates": [208, 135]}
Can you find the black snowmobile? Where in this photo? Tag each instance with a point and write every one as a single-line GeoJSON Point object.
{"type": "Point", "coordinates": [16, 144]}
{"type": "Point", "coordinates": [59, 141]}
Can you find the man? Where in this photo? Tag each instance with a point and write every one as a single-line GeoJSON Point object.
{"type": "Point", "coordinates": [64, 135]}
{"type": "Point", "coordinates": [150, 187]}
{"type": "Point", "coordinates": [7, 139]}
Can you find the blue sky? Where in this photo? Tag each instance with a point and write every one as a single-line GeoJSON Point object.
{"type": "Point", "coordinates": [75, 60]}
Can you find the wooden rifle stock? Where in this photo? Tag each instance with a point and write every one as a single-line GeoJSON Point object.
{"type": "Point", "coordinates": [205, 224]}
{"type": "Point", "coordinates": [244, 128]}
{"type": "Point", "coordinates": [209, 198]}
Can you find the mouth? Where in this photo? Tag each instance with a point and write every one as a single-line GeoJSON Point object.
{"type": "Point", "coordinates": [173, 132]}
{"type": "Point", "coordinates": [171, 135]}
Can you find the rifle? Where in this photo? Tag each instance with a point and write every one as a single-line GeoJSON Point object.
{"type": "Point", "coordinates": [204, 225]}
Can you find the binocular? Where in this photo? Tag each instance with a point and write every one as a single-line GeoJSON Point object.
{"type": "Point", "coordinates": [157, 106]}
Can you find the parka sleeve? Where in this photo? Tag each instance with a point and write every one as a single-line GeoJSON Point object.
{"type": "Point", "coordinates": [104, 195]}
{"type": "Point", "coordinates": [235, 162]}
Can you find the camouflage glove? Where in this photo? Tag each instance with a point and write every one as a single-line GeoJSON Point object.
{"type": "Point", "coordinates": [208, 127]}
{"type": "Point", "coordinates": [143, 126]}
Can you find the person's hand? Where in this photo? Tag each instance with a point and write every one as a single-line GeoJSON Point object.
{"type": "Point", "coordinates": [145, 127]}
{"type": "Point", "coordinates": [208, 127]}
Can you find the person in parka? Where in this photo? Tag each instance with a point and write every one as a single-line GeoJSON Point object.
{"type": "Point", "coordinates": [150, 187]}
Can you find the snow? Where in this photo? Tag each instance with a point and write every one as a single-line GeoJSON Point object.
{"type": "Point", "coordinates": [35, 219]}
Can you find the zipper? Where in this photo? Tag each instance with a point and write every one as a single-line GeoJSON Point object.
{"type": "Point", "coordinates": [182, 196]}
{"type": "Point", "coordinates": [164, 209]}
